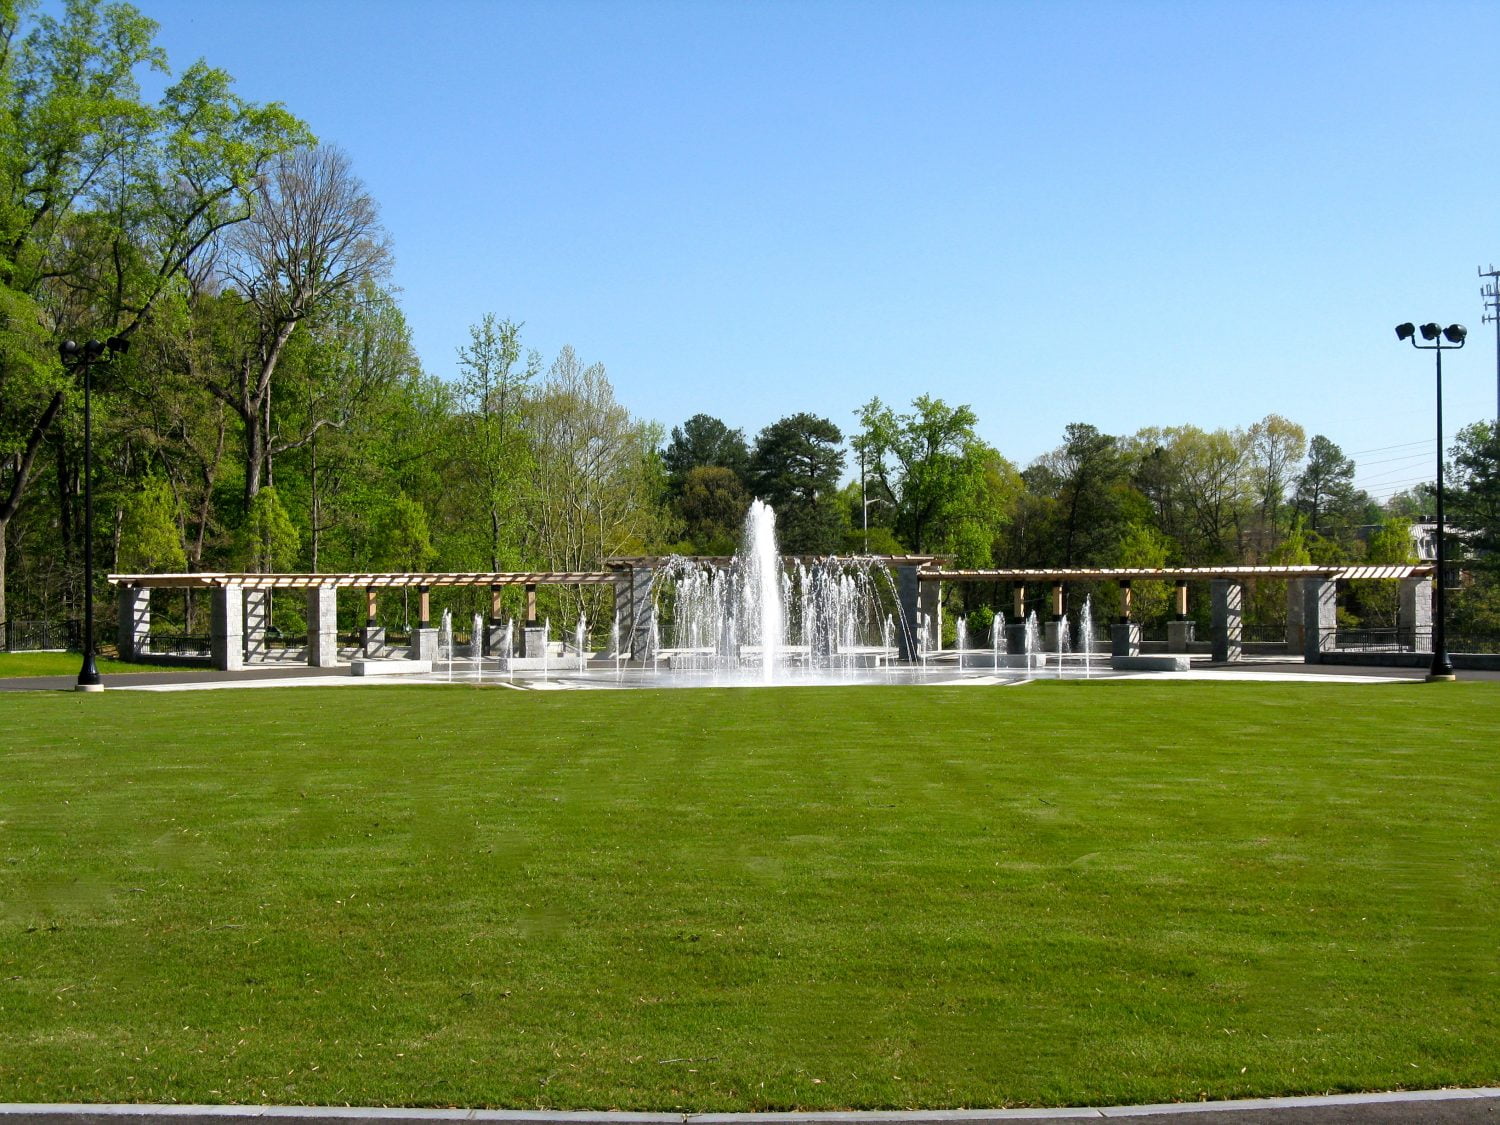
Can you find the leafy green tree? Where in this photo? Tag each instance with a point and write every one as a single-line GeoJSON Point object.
{"type": "Point", "coordinates": [268, 541]}
{"type": "Point", "coordinates": [712, 506]}
{"type": "Point", "coordinates": [150, 538]}
{"type": "Point", "coordinates": [104, 200]}
{"type": "Point", "coordinates": [1276, 448]}
{"type": "Point", "coordinates": [492, 389]}
{"type": "Point", "coordinates": [930, 465]}
{"type": "Point", "coordinates": [1084, 483]}
{"type": "Point", "coordinates": [1473, 500]}
{"type": "Point", "coordinates": [589, 488]}
{"type": "Point", "coordinates": [405, 542]}
{"type": "Point", "coordinates": [795, 468]}
{"type": "Point", "coordinates": [315, 236]}
{"type": "Point", "coordinates": [702, 442]}
{"type": "Point", "coordinates": [1325, 488]}
{"type": "Point", "coordinates": [1143, 546]}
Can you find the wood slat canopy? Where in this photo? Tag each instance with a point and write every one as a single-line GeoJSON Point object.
{"type": "Point", "coordinates": [925, 572]}
{"type": "Point", "coordinates": [210, 580]}
{"type": "Point", "coordinates": [1169, 574]}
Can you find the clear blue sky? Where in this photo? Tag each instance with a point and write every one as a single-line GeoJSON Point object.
{"type": "Point", "coordinates": [1124, 213]}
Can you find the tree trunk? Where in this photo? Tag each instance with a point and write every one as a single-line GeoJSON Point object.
{"type": "Point", "coordinates": [4, 619]}
{"type": "Point", "coordinates": [12, 500]}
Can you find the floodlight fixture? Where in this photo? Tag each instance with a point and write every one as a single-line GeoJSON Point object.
{"type": "Point", "coordinates": [1406, 331]}
{"type": "Point", "coordinates": [1430, 331]}
{"type": "Point", "coordinates": [1455, 333]}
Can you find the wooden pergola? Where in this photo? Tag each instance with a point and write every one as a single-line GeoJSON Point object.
{"type": "Point", "coordinates": [239, 597]}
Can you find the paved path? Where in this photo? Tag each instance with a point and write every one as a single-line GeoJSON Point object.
{"type": "Point", "coordinates": [300, 675]}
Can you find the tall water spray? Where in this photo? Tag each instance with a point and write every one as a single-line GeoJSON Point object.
{"type": "Point", "coordinates": [761, 605]}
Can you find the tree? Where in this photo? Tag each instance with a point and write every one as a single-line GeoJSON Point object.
{"type": "Point", "coordinates": [1143, 546]}
{"type": "Point", "coordinates": [1325, 487]}
{"type": "Point", "coordinates": [795, 468]}
{"type": "Point", "coordinates": [104, 200]}
{"type": "Point", "coordinates": [492, 387]}
{"type": "Point", "coordinates": [315, 235]}
{"type": "Point", "coordinates": [150, 538]}
{"type": "Point", "coordinates": [1276, 447]}
{"type": "Point", "coordinates": [701, 442]}
{"type": "Point", "coordinates": [1086, 480]}
{"type": "Point", "coordinates": [590, 476]}
{"type": "Point", "coordinates": [712, 505]}
{"type": "Point", "coordinates": [1473, 500]}
{"type": "Point", "coordinates": [268, 541]}
{"type": "Point", "coordinates": [405, 543]}
{"type": "Point", "coordinates": [929, 464]}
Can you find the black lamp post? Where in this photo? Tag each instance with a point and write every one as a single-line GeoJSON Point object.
{"type": "Point", "coordinates": [84, 356]}
{"type": "Point", "coordinates": [1442, 666]}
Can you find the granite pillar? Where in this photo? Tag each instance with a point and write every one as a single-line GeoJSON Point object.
{"type": "Point", "coordinates": [227, 629]}
{"type": "Point", "coordinates": [322, 626]}
{"type": "Point", "coordinates": [1228, 601]}
{"type": "Point", "coordinates": [135, 622]}
{"type": "Point", "coordinates": [1319, 617]}
{"type": "Point", "coordinates": [1414, 614]}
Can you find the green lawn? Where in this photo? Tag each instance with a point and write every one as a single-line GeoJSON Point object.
{"type": "Point", "coordinates": [68, 664]}
{"type": "Point", "coordinates": [721, 900]}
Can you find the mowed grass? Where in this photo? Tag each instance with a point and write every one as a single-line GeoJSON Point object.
{"type": "Point", "coordinates": [1064, 893]}
{"type": "Point", "coordinates": [68, 664]}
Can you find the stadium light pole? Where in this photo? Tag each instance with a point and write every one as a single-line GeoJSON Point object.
{"type": "Point", "coordinates": [1454, 334]}
{"type": "Point", "coordinates": [83, 356]}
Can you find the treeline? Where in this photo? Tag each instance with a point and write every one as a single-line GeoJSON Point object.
{"type": "Point", "coordinates": [923, 482]}
{"type": "Point", "coordinates": [261, 406]}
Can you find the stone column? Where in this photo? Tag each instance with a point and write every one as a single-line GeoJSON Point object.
{"type": "Point", "coordinates": [228, 628]}
{"type": "Point", "coordinates": [1228, 597]}
{"type": "Point", "coordinates": [1180, 630]}
{"type": "Point", "coordinates": [494, 631]}
{"type": "Point", "coordinates": [1414, 615]}
{"type": "Point", "coordinates": [1053, 627]}
{"type": "Point", "coordinates": [1179, 635]}
{"type": "Point", "coordinates": [1125, 638]}
{"type": "Point", "coordinates": [909, 621]}
{"type": "Point", "coordinates": [531, 621]}
{"type": "Point", "coordinates": [633, 611]}
{"type": "Point", "coordinates": [1018, 603]}
{"type": "Point", "coordinates": [374, 636]}
{"type": "Point", "coordinates": [257, 619]}
{"type": "Point", "coordinates": [322, 626]}
{"type": "Point", "coordinates": [1125, 601]}
{"type": "Point", "coordinates": [1296, 633]}
{"type": "Point", "coordinates": [135, 622]}
{"type": "Point", "coordinates": [1319, 617]}
{"type": "Point", "coordinates": [930, 605]}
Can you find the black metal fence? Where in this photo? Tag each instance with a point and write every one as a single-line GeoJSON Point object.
{"type": "Point", "coordinates": [40, 634]}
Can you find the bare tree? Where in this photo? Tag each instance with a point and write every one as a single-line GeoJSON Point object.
{"type": "Point", "coordinates": [315, 234]}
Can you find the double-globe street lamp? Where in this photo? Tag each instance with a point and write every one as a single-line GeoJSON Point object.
{"type": "Point", "coordinates": [83, 356]}
{"type": "Point", "coordinates": [1442, 666]}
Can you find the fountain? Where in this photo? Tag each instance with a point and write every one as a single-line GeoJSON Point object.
{"type": "Point", "coordinates": [1086, 633]}
{"type": "Point", "coordinates": [764, 619]}
{"type": "Point", "coordinates": [445, 641]}
{"type": "Point", "coordinates": [476, 647]}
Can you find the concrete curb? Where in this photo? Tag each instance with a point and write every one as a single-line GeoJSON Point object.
{"type": "Point", "coordinates": [1481, 1104]}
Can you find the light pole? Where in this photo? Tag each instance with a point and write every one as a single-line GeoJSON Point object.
{"type": "Point", "coordinates": [1442, 666]}
{"type": "Point", "coordinates": [84, 356]}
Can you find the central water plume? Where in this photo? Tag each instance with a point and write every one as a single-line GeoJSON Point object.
{"type": "Point", "coordinates": [765, 614]}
